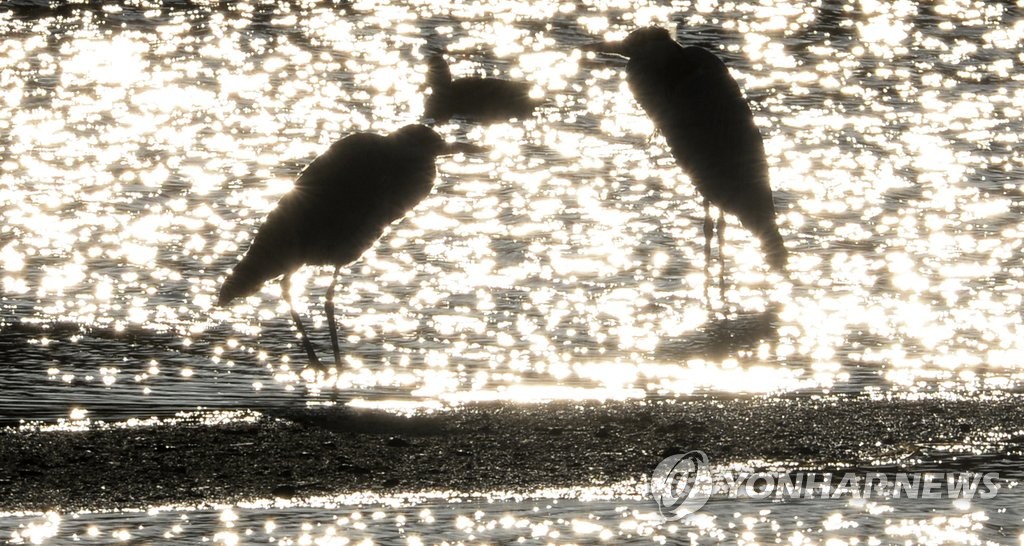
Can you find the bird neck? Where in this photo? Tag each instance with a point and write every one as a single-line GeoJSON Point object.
{"type": "Point", "coordinates": [439, 76]}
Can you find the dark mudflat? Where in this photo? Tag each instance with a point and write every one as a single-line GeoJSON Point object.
{"type": "Point", "coordinates": [489, 447]}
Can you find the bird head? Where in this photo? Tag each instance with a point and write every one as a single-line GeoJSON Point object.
{"type": "Point", "coordinates": [421, 137]}
{"type": "Point", "coordinates": [638, 43]}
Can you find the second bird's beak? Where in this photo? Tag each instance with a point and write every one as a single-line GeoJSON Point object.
{"type": "Point", "coordinates": [452, 148]}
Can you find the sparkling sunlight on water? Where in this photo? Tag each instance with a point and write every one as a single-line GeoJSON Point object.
{"type": "Point", "coordinates": [145, 142]}
{"type": "Point", "coordinates": [566, 263]}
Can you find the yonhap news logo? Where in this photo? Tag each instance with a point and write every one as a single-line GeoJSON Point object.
{"type": "Point", "coordinates": [681, 484]}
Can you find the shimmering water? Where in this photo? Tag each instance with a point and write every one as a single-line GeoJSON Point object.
{"type": "Point", "coordinates": [144, 143]}
{"type": "Point", "coordinates": [589, 519]}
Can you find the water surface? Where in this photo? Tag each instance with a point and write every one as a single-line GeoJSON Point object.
{"type": "Point", "coordinates": [143, 144]}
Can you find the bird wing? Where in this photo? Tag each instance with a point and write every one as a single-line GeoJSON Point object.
{"type": "Point", "coordinates": [709, 127]}
{"type": "Point", "coordinates": [353, 191]}
{"type": "Point", "coordinates": [714, 138]}
{"type": "Point", "coordinates": [345, 160]}
{"type": "Point", "coordinates": [331, 215]}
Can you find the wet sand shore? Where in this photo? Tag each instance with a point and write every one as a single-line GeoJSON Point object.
{"type": "Point", "coordinates": [488, 447]}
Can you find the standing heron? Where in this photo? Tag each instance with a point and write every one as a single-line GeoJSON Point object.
{"type": "Point", "coordinates": [339, 207]}
{"type": "Point", "coordinates": [474, 98]}
{"type": "Point", "coordinates": [698, 106]}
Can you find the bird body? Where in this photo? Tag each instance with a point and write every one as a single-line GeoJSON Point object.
{"type": "Point", "coordinates": [474, 98]}
{"type": "Point", "coordinates": [699, 108]}
{"type": "Point", "coordinates": [340, 205]}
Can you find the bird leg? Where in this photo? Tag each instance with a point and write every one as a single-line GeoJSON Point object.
{"type": "Point", "coordinates": [286, 286]}
{"type": "Point", "coordinates": [709, 228]}
{"type": "Point", "coordinates": [329, 309]}
{"type": "Point", "coordinates": [721, 252]}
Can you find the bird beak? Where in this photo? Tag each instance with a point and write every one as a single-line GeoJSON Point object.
{"type": "Point", "coordinates": [452, 148]}
{"type": "Point", "coordinates": [615, 48]}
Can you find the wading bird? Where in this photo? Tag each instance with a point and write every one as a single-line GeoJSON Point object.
{"type": "Point", "coordinates": [474, 99]}
{"type": "Point", "coordinates": [339, 207]}
{"type": "Point", "coordinates": [698, 107]}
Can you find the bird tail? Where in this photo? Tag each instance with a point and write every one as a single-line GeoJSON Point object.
{"type": "Point", "coordinates": [775, 251]}
{"type": "Point", "coordinates": [250, 274]}
{"type": "Point", "coordinates": [760, 221]}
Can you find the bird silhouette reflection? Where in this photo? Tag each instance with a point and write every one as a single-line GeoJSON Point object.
{"type": "Point", "coordinates": [475, 99]}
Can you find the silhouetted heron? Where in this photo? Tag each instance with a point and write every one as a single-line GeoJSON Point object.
{"type": "Point", "coordinates": [694, 101]}
{"type": "Point", "coordinates": [474, 98]}
{"type": "Point", "coordinates": [339, 207]}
